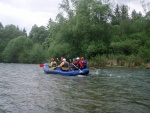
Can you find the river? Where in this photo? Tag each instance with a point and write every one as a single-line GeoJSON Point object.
{"type": "Point", "coordinates": [25, 88]}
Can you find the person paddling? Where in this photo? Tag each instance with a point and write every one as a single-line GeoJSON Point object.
{"type": "Point", "coordinates": [78, 63]}
{"type": "Point", "coordinates": [53, 64]}
{"type": "Point", "coordinates": [64, 65]}
{"type": "Point", "coordinates": [72, 65]}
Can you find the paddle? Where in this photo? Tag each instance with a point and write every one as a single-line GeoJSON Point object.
{"type": "Point", "coordinates": [77, 68]}
{"type": "Point", "coordinates": [52, 68]}
{"type": "Point", "coordinates": [58, 60]}
{"type": "Point", "coordinates": [70, 61]}
{"type": "Point", "coordinates": [41, 65]}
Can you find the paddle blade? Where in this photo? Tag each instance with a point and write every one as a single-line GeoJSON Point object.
{"type": "Point", "coordinates": [80, 71]}
{"type": "Point", "coordinates": [52, 68]}
{"type": "Point", "coordinates": [41, 65]}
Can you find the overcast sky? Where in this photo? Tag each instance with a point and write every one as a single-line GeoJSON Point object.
{"type": "Point", "coordinates": [26, 13]}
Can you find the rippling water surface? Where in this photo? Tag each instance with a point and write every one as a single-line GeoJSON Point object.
{"type": "Point", "coordinates": [24, 88]}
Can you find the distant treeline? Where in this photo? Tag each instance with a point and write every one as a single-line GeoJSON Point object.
{"type": "Point", "coordinates": [105, 35]}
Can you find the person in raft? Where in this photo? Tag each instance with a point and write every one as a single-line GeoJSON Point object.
{"type": "Point", "coordinates": [84, 62]}
{"type": "Point", "coordinates": [53, 64]}
{"type": "Point", "coordinates": [78, 64]}
{"type": "Point", "coordinates": [64, 65]}
{"type": "Point", "coordinates": [61, 60]}
{"type": "Point", "coordinates": [72, 65]}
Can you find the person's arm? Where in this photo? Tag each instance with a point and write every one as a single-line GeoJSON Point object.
{"type": "Point", "coordinates": [75, 62]}
{"type": "Point", "coordinates": [61, 64]}
{"type": "Point", "coordinates": [51, 64]}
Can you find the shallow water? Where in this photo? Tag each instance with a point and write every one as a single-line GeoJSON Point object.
{"type": "Point", "coordinates": [25, 88]}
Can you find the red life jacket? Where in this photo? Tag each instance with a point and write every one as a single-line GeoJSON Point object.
{"type": "Point", "coordinates": [78, 64]}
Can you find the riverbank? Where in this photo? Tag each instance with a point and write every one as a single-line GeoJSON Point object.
{"type": "Point", "coordinates": [119, 63]}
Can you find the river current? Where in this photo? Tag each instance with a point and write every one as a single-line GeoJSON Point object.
{"type": "Point", "coordinates": [25, 88]}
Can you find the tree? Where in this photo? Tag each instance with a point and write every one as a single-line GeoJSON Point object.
{"type": "Point", "coordinates": [1, 26]}
{"type": "Point", "coordinates": [11, 32]}
{"type": "Point", "coordinates": [25, 32]}
{"type": "Point", "coordinates": [17, 48]}
{"type": "Point", "coordinates": [38, 34]}
{"type": "Point", "coordinates": [2, 47]}
{"type": "Point", "coordinates": [37, 54]}
{"type": "Point", "coordinates": [50, 22]}
{"type": "Point", "coordinates": [116, 17]}
{"type": "Point", "coordinates": [124, 12]}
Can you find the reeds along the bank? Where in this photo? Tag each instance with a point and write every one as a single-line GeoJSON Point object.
{"type": "Point", "coordinates": [118, 61]}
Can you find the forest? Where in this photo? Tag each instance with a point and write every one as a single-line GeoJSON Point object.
{"type": "Point", "coordinates": [106, 35]}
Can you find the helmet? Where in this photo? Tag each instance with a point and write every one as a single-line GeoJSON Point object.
{"type": "Point", "coordinates": [74, 59]}
{"type": "Point", "coordinates": [64, 59]}
{"type": "Point", "coordinates": [77, 58]}
{"type": "Point", "coordinates": [52, 59]}
{"type": "Point", "coordinates": [82, 58]}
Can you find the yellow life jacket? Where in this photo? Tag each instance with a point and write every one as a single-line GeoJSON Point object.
{"type": "Point", "coordinates": [53, 65]}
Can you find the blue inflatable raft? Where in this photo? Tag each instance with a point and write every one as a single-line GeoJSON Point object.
{"type": "Point", "coordinates": [66, 73]}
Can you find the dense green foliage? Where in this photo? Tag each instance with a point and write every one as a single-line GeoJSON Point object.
{"type": "Point", "coordinates": [89, 28]}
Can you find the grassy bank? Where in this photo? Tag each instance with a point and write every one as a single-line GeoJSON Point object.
{"type": "Point", "coordinates": [119, 61]}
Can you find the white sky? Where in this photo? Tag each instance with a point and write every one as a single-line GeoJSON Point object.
{"type": "Point", "coordinates": [26, 13]}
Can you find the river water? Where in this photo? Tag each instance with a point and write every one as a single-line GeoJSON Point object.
{"type": "Point", "coordinates": [25, 88]}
